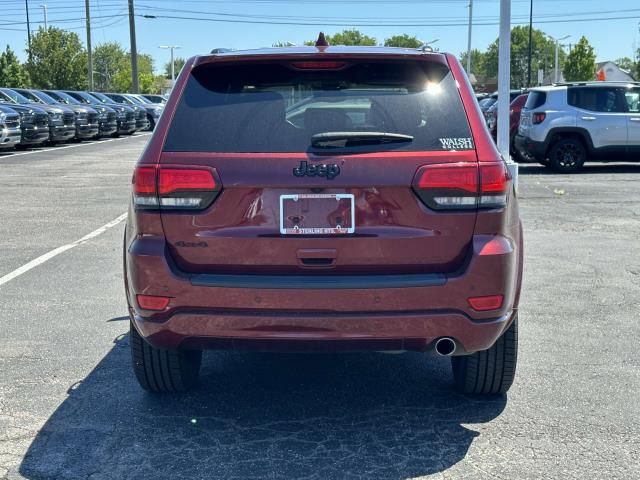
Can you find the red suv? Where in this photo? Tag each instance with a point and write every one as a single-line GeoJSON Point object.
{"type": "Point", "coordinates": [323, 198]}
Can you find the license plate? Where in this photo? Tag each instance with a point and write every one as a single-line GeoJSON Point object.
{"type": "Point", "coordinates": [317, 214]}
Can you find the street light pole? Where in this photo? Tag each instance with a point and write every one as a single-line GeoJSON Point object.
{"type": "Point", "coordinates": [469, 38]}
{"type": "Point", "coordinates": [530, 43]}
{"type": "Point", "coordinates": [46, 25]}
{"type": "Point", "coordinates": [557, 66]}
{"type": "Point", "coordinates": [173, 65]}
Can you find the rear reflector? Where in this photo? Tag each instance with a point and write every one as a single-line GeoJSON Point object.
{"type": "Point", "coordinates": [457, 186]}
{"type": "Point", "coordinates": [481, 304]}
{"type": "Point", "coordinates": [151, 302]}
{"type": "Point", "coordinates": [174, 188]}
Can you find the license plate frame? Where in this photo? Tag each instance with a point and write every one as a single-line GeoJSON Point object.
{"type": "Point", "coordinates": [337, 230]}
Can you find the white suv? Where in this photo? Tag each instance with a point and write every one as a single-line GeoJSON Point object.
{"type": "Point", "coordinates": [562, 126]}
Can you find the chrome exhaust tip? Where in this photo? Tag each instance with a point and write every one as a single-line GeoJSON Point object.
{"type": "Point", "coordinates": [445, 346]}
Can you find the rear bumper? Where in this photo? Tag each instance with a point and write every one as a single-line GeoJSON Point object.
{"type": "Point", "coordinates": [383, 312]}
{"type": "Point", "coordinates": [529, 148]}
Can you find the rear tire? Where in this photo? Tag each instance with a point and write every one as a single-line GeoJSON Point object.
{"type": "Point", "coordinates": [163, 371]}
{"type": "Point", "coordinates": [567, 155]}
{"type": "Point", "coordinates": [489, 372]}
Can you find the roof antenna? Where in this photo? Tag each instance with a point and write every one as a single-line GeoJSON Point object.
{"type": "Point", "coordinates": [321, 42]}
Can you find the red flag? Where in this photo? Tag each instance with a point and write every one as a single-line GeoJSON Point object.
{"type": "Point", "coordinates": [600, 76]}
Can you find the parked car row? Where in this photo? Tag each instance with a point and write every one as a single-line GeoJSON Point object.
{"type": "Point", "coordinates": [34, 117]}
{"type": "Point", "coordinates": [563, 126]}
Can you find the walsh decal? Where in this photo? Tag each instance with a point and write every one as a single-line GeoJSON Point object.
{"type": "Point", "coordinates": [456, 143]}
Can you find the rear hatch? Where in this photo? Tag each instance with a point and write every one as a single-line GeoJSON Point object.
{"type": "Point", "coordinates": [319, 167]}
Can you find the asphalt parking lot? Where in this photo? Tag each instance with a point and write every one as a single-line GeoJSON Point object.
{"type": "Point", "coordinates": [70, 407]}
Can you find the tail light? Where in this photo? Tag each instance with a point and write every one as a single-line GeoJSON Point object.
{"type": "Point", "coordinates": [538, 117]}
{"type": "Point", "coordinates": [174, 188]}
{"type": "Point", "coordinates": [463, 186]}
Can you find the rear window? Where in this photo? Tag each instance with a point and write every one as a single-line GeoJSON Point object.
{"type": "Point", "coordinates": [275, 107]}
{"type": "Point", "coordinates": [535, 100]}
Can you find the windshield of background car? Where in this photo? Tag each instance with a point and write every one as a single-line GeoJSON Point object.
{"type": "Point", "coordinates": [15, 96]}
{"type": "Point", "coordinates": [64, 98]}
{"type": "Point", "coordinates": [44, 97]}
{"type": "Point", "coordinates": [101, 97]}
{"type": "Point", "coordinates": [278, 107]}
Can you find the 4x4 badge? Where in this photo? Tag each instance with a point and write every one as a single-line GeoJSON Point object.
{"type": "Point", "coordinates": [322, 170]}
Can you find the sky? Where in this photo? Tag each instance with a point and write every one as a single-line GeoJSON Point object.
{"type": "Point", "coordinates": [613, 27]}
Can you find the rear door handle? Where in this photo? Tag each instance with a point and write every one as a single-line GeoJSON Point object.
{"type": "Point", "coordinates": [635, 119]}
{"type": "Point", "coordinates": [588, 118]}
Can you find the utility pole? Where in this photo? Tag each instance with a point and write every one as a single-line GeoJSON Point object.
{"type": "Point", "coordinates": [134, 50]}
{"type": "Point", "coordinates": [26, 7]}
{"type": "Point", "coordinates": [530, 43]}
{"type": "Point", "coordinates": [89, 53]}
{"type": "Point", "coordinates": [469, 38]}
{"type": "Point", "coordinates": [46, 25]}
{"type": "Point", "coordinates": [173, 65]}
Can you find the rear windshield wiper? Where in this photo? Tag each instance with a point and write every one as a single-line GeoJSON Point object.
{"type": "Point", "coordinates": [354, 139]}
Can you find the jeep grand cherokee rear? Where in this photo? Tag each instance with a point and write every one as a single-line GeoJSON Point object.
{"type": "Point", "coordinates": [323, 199]}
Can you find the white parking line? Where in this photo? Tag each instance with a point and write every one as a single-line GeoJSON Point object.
{"type": "Point", "coordinates": [86, 144]}
{"type": "Point", "coordinates": [57, 251]}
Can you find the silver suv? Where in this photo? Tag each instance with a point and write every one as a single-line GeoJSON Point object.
{"type": "Point", "coordinates": [562, 126]}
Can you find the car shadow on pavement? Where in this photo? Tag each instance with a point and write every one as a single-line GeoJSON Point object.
{"type": "Point", "coordinates": [278, 416]}
{"type": "Point", "coordinates": [589, 168]}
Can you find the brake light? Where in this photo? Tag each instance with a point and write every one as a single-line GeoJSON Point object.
{"type": "Point", "coordinates": [538, 117]}
{"type": "Point", "coordinates": [466, 186]}
{"type": "Point", "coordinates": [174, 188]}
{"type": "Point", "coordinates": [318, 65]}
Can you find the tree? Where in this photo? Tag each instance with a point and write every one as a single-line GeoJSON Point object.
{"type": "Point", "coordinates": [543, 56]}
{"type": "Point", "coordinates": [178, 63]}
{"type": "Point", "coordinates": [478, 63]}
{"type": "Point", "coordinates": [347, 37]}
{"type": "Point", "coordinates": [108, 60]}
{"type": "Point", "coordinates": [12, 72]}
{"type": "Point", "coordinates": [403, 40]}
{"type": "Point", "coordinates": [58, 60]}
{"type": "Point", "coordinates": [122, 81]}
{"type": "Point", "coordinates": [581, 62]}
{"type": "Point", "coordinates": [625, 63]}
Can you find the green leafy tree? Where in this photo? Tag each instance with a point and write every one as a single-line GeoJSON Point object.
{"type": "Point", "coordinates": [403, 40]}
{"type": "Point", "coordinates": [122, 81]}
{"type": "Point", "coordinates": [178, 63]}
{"type": "Point", "coordinates": [626, 63]}
{"type": "Point", "coordinates": [108, 60]}
{"type": "Point", "coordinates": [58, 60]}
{"type": "Point", "coordinates": [347, 37]}
{"type": "Point", "coordinates": [581, 62]}
{"type": "Point", "coordinates": [280, 44]}
{"type": "Point", "coordinates": [478, 63]}
{"type": "Point", "coordinates": [543, 56]}
{"type": "Point", "coordinates": [12, 72]}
